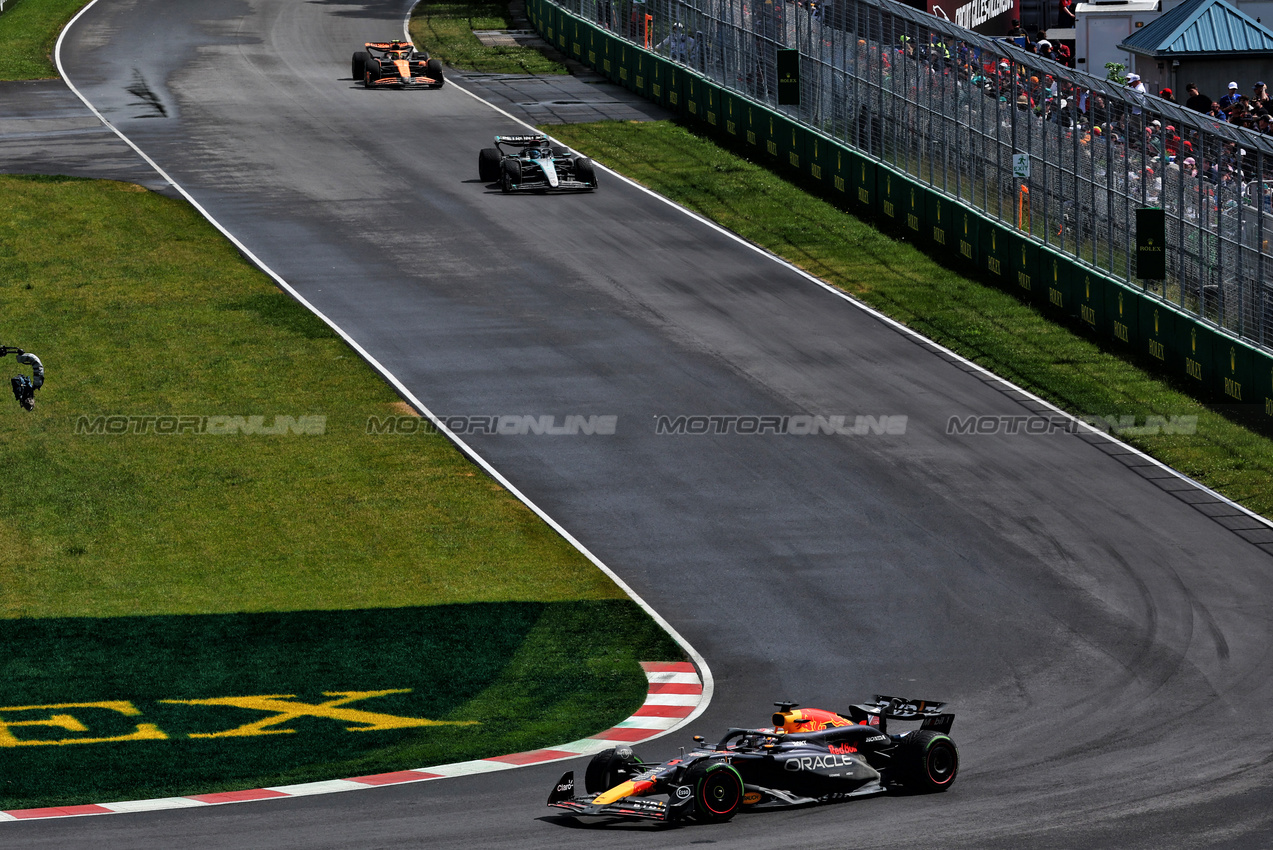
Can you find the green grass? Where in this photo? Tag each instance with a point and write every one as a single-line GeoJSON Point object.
{"type": "Point", "coordinates": [138, 307]}
{"type": "Point", "coordinates": [518, 676]}
{"type": "Point", "coordinates": [982, 323]}
{"type": "Point", "coordinates": [258, 563]}
{"type": "Point", "coordinates": [446, 31]}
{"type": "Point", "coordinates": [28, 31]}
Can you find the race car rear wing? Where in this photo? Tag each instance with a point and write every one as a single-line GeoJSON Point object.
{"type": "Point", "coordinates": [886, 708]}
{"type": "Point", "coordinates": [524, 140]}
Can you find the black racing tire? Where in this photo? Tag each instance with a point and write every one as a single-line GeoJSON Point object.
{"type": "Point", "coordinates": [435, 71]}
{"type": "Point", "coordinates": [585, 172]}
{"type": "Point", "coordinates": [359, 64]}
{"type": "Point", "coordinates": [558, 150]}
{"type": "Point", "coordinates": [928, 761]}
{"type": "Point", "coordinates": [488, 160]}
{"type": "Point", "coordinates": [512, 175]}
{"type": "Point", "coordinates": [610, 767]}
{"type": "Point", "coordinates": [718, 792]}
{"type": "Point", "coordinates": [371, 73]}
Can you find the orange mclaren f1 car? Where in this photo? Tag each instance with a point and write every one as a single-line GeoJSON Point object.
{"type": "Point", "coordinates": [396, 64]}
{"type": "Point", "coordinates": [807, 756]}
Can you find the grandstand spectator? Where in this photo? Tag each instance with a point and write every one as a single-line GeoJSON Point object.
{"type": "Point", "coordinates": [1166, 94]}
{"type": "Point", "coordinates": [1134, 83]}
{"type": "Point", "coordinates": [1017, 35]}
{"type": "Point", "coordinates": [1197, 102]}
{"type": "Point", "coordinates": [1217, 112]}
{"type": "Point", "coordinates": [1231, 98]}
{"type": "Point", "coordinates": [1261, 97]}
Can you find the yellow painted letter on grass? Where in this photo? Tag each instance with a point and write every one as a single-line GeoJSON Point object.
{"type": "Point", "coordinates": [70, 723]}
{"type": "Point", "coordinates": [285, 711]}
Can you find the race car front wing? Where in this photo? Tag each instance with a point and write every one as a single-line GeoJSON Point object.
{"type": "Point", "coordinates": [562, 797]}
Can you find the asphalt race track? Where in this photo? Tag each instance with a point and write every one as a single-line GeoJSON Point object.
{"type": "Point", "coordinates": [1102, 633]}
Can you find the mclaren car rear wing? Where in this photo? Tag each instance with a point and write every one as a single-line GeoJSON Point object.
{"type": "Point", "coordinates": [886, 708]}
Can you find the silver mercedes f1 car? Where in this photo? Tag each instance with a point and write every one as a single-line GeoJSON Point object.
{"type": "Point", "coordinates": [532, 163]}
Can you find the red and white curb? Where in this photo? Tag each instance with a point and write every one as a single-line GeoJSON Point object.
{"type": "Point", "coordinates": [674, 696]}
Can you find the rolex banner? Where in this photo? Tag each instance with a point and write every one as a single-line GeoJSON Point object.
{"type": "Point", "coordinates": [788, 77]}
{"type": "Point", "coordinates": [1151, 244]}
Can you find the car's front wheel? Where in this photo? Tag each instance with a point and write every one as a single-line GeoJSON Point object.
{"type": "Point", "coordinates": [928, 760]}
{"type": "Point", "coordinates": [512, 177]}
{"type": "Point", "coordinates": [359, 64]}
{"type": "Point", "coordinates": [718, 791]}
{"type": "Point", "coordinates": [585, 172]}
{"type": "Point", "coordinates": [435, 72]}
{"type": "Point", "coordinates": [488, 160]}
{"type": "Point", "coordinates": [371, 73]}
{"type": "Point", "coordinates": [610, 767]}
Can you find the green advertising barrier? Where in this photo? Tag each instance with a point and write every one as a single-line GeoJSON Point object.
{"type": "Point", "coordinates": [1236, 370]}
{"type": "Point", "coordinates": [841, 166]}
{"type": "Point", "coordinates": [641, 82]}
{"type": "Point", "coordinates": [820, 153]}
{"type": "Point", "coordinates": [1090, 295]}
{"type": "Point", "coordinates": [1121, 305]}
{"type": "Point", "coordinates": [1025, 271]}
{"type": "Point", "coordinates": [657, 71]}
{"type": "Point", "coordinates": [1058, 273]}
{"type": "Point", "coordinates": [733, 122]}
{"type": "Point", "coordinates": [864, 192]}
{"type": "Point", "coordinates": [676, 79]}
{"type": "Point", "coordinates": [950, 224]}
{"type": "Point", "coordinates": [995, 254]}
{"type": "Point", "coordinates": [711, 109]}
{"type": "Point", "coordinates": [893, 196]}
{"type": "Point", "coordinates": [790, 138]}
{"type": "Point", "coordinates": [769, 129]}
{"type": "Point", "coordinates": [594, 50]}
{"type": "Point", "coordinates": [1262, 375]}
{"type": "Point", "coordinates": [578, 38]}
{"type": "Point", "coordinates": [1157, 334]}
{"type": "Point", "coordinates": [751, 124]}
{"type": "Point", "coordinates": [695, 99]}
{"type": "Point", "coordinates": [968, 233]}
{"type": "Point", "coordinates": [1199, 366]}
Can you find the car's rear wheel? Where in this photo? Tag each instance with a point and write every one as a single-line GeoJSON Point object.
{"type": "Point", "coordinates": [718, 792]}
{"type": "Point", "coordinates": [435, 71]}
{"type": "Point", "coordinates": [929, 761]}
{"type": "Point", "coordinates": [359, 64]}
{"type": "Point", "coordinates": [488, 160]}
{"type": "Point", "coordinates": [558, 150]}
{"type": "Point", "coordinates": [512, 176]}
{"type": "Point", "coordinates": [610, 767]}
{"type": "Point", "coordinates": [585, 172]}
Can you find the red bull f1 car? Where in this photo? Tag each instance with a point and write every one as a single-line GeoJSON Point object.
{"type": "Point", "coordinates": [531, 163]}
{"type": "Point", "coordinates": [808, 756]}
{"type": "Point", "coordinates": [396, 64]}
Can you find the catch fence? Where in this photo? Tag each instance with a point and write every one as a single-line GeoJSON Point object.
{"type": "Point", "coordinates": [956, 111]}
